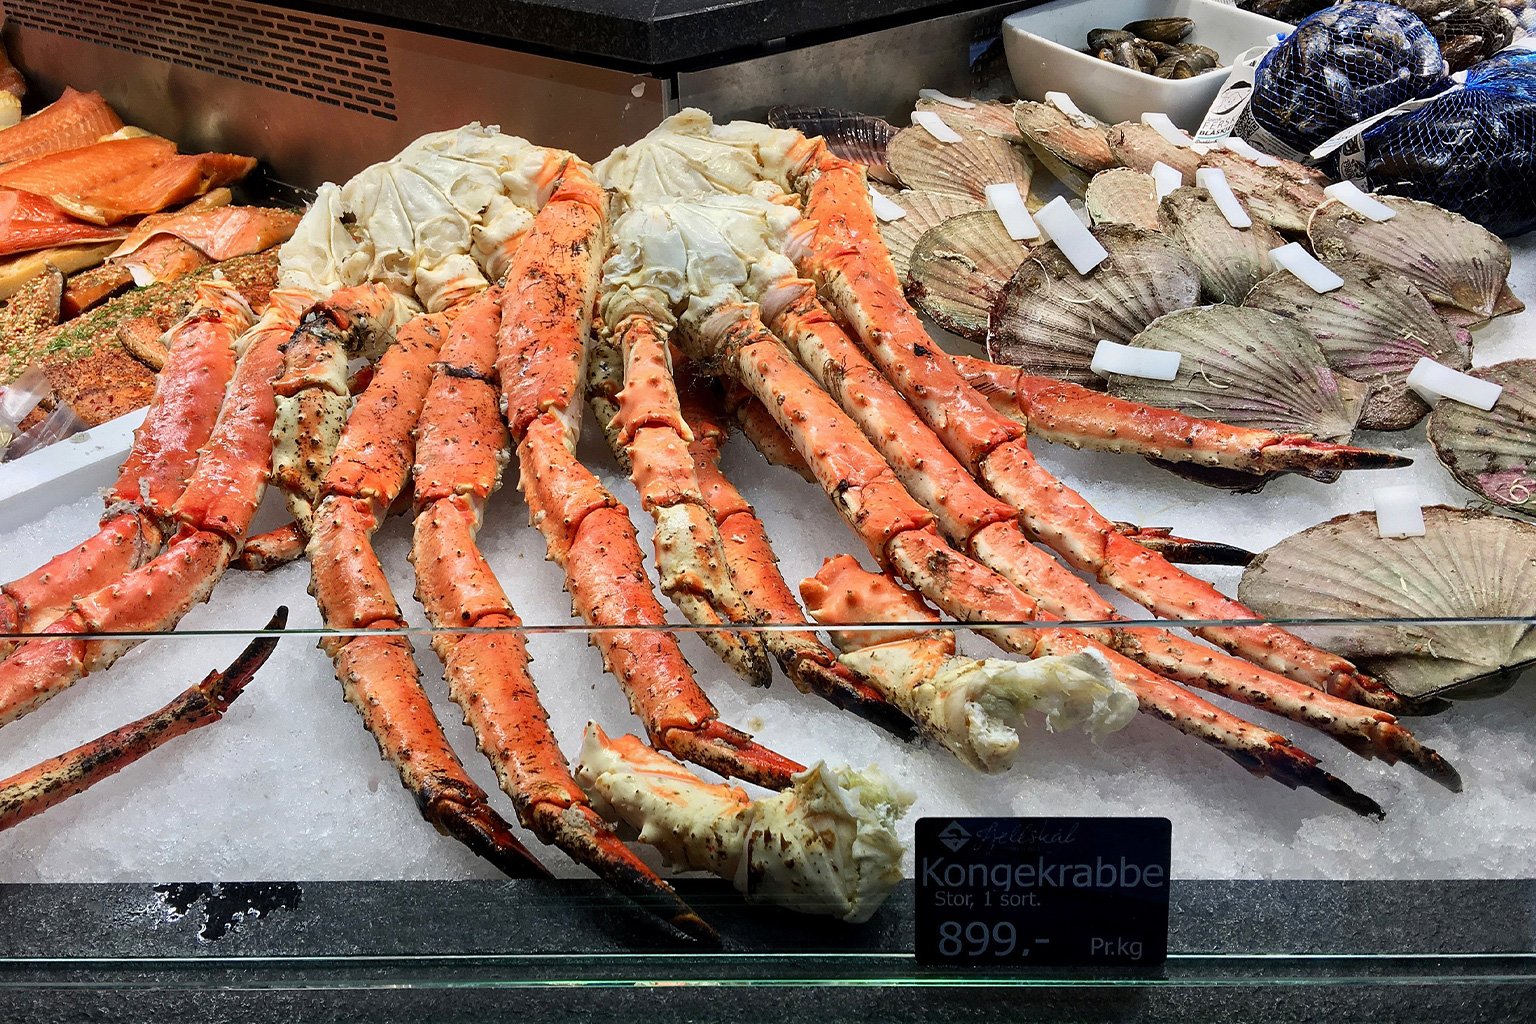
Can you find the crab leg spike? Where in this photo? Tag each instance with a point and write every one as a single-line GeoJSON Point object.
{"type": "Point", "coordinates": [840, 245]}
{"type": "Point", "coordinates": [461, 448]}
{"type": "Point", "coordinates": [1073, 415]}
{"type": "Point", "coordinates": [808, 663]}
{"type": "Point", "coordinates": [649, 428]}
{"type": "Point", "coordinates": [540, 369]}
{"type": "Point", "coordinates": [180, 418]}
{"type": "Point", "coordinates": [33, 791]}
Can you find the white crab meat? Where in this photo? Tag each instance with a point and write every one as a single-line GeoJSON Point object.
{"type": "Point", "coordinates": [826, 845]}
{"type": "Point", "coordinates": [976, 707]}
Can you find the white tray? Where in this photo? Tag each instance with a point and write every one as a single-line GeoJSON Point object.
{"type": "Point", "coordinates": [1044, 47]}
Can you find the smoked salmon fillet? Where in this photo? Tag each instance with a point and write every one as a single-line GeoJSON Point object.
{"type": "Point", "coordinates": [76, 119]}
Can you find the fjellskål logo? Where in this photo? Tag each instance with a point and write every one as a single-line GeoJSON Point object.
{"type": "Point", "coordinates": [954, 837]}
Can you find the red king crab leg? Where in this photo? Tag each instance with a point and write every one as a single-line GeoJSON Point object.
{"type": "Point", "coordinates": [902, 535]}
{"type": "Point", "coordinates": [461, 448]}
{"type": "Point", "coordinates": [213, 512]}
{"type": "Point", "coordinates": [808, 663]}
{"type": "Point", "coordinates": [540, 367]}
{"type": "Point", "coordinates": [33, 791]}
{"type": "Point", "coordinates": [378, 674]}
{"type": "Point", "coordinates": [1071, 414]}
{"type": "Point", "coordinates": [842, 251]}
{"type": "Point", "coordinates": [989, 530]}
{"type": "Point", "coordinates": [647, 431]}
{"type": "Point", "coordinates": [137, 523]}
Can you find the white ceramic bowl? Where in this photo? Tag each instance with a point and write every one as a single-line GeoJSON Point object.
{"type": "Point", "coordinates": [1045, 44]}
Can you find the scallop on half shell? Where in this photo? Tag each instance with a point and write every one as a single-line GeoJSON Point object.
{"type": "Point", "coordinates": [1049, 318]}
{"type": "Point", "coordinates": [861, 138]}
{"type": "Point", "coordinates": [1121, 195]}
{"type": "Point", "coordinates": [1493, 453]}
{"type": "Point", "coordinates": [964, 168]}
{"type": "Point", "coordinates": [990, 117]}
{"type": "Point", "coordinates": [924, 210]}
{"type": "Point", "coordinates": [1231, 260]}
{"type": "Point", "coordinates": [1072, 150]}
{"type": "Point", "coordinates": [1452, 260]}
{"type": "Point", "coordinates": [1247, 368]}
{"type": "Point", "coordinates": [958, 269]}
{"type": "Point", "coordinates": [1468, 564]}
{"type": "Point", "coordinates": [1374, 329]}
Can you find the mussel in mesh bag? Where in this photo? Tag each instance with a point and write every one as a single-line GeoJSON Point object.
{"type": "Point", "coordinates": [1472, 150]}
{"type": "Point", "coordinates": [1341, 66]}
{"type": "Point", "coordinates": [1467, 30]}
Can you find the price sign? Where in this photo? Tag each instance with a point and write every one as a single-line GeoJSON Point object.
{"type": "Point", "coordinates": [1043, 892]}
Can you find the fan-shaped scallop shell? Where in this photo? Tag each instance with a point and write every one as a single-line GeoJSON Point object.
{"type": "Point", "coordinates": [1121, 195]}
{"type": "Point", "coordinates": [958, 269]}
{"type": "Point", "coordinates": [1247, 368]}
{"type": "Point", "coordinates": [963, 168]}
{"type": "Point", "coordinates": [1049, 318]}
{"type": "Point", "coordinates": [1280, 198]}
{"type": "Point", "coordinates": [861, 138]}
{"type": "Point", "coordinates": [1451, 259]}
{"type": "Point", "coordinates": [990, 117]}
{"type": "Point", "coordinates": [1137, 146]}
{"type": "Point", "coordinates": [1072, 151]}
{"type": "Point", "coordinates": [1231, 260]}
{"type": "Point", "coordinates": [1374, 329]}
{"type": "Point", "coordinates": [1468, 564]}
{"type": "Point", "coordinates": [924, 210]}
{"type": "Point", "coordinates": [1493, 453]}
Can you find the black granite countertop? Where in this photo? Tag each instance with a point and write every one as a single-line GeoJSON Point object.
{"type": "Point", "coordinates": [649, 35]}
{"type": "Point", "coordinates": [1241, 952]}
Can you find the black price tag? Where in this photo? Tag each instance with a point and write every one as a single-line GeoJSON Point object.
{"type": "Point", "coordinates": [1043, 892]}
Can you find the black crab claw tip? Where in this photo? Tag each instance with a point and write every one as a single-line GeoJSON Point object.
{"type": "Point", "coordinates": [1296, 769]}
{"type": "Point", "coordinates": [1430, 764]}
{"type": "Point", "coordinates": [1197, 552]}
{"type": "Point", "coordinates": [224, 687]}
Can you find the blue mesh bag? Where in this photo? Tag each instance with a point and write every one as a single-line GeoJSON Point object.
{"type": "Point", "coordinates": [1341, 66]}
{"type": "Point", "coordinates": [1472, 150]}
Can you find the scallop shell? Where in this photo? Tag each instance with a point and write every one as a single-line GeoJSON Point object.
{"type": "Point", "coordinates": [1231, 260]}
{"type": "Point", "coordinates": [989, 117]}
{"type": "Point", "coordinates": [962, 168]}
{"type": "Point", "coordinates": [1070, 151]}
{"type": "Point", "coordinates": [1468, 564]}
{"type": "Point", "coordinates": [958, 269]}
{"type": "Point", "coordinates": [1121, 195]}
{"type": "Point", "coordinates": [852, 136]}
{"type": "Point", "coordinates": [1247, 368]}
{"type": "Point", "coordinates": [1275, 195]}
{"type": "Point", "coordinates": [924, 210]}
{"type": "Point", "coordinates": [1050, 318]}
{"type": "Point", "coordinates": [1136, 146]}
{"type": "Point", "coordinates": [1493, 453]}
{"type": "Point", "coordinates": [1373, 329]}
{"type": "Point", "coordinates": [1451, 259]}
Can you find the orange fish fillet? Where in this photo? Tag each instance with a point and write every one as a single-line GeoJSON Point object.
{"type": "Point", "coordinates": [78, 171]}
{"type": "Point", "coordinates": [75, 119]}
{"type": "Point", "coordinates": [30, 222]}
{"type": "Point", "coordinates": [219, 234]}
{"type": "Point", "coordinates": [173, 182]}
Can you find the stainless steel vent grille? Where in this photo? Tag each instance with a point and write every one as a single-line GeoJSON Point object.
{"type": "Point", "coordinates": [339, 63]}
